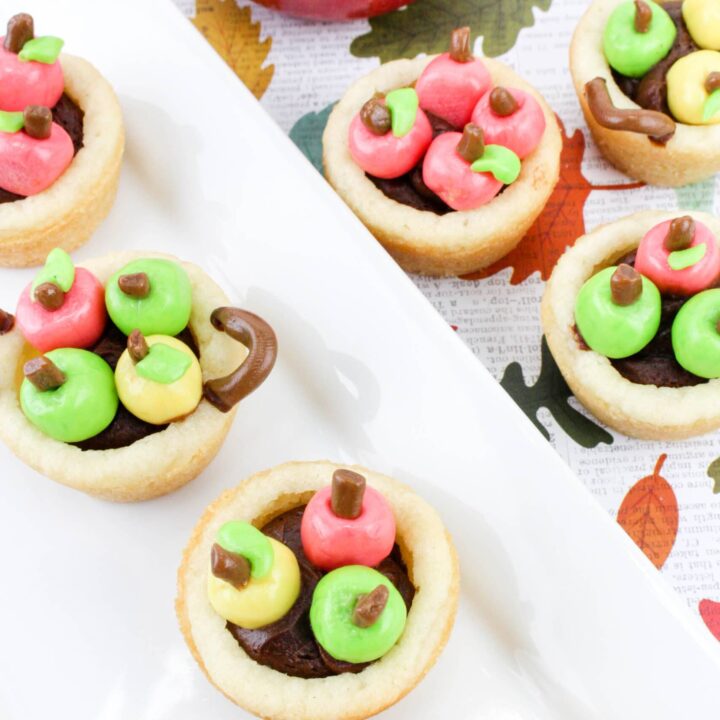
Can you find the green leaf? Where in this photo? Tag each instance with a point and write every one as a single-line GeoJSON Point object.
{"type": "Point", "coordinates": [699, 196]}
{"type": "Point", "coordinates": [403, 106]}
{"type": "Point", "coordinates": [502, 162]}
{"type": "Point", "coordinates": [307, 133]}
{"type": "Point", "coordinates": [42, 49]}
{"type": "Point", "coordinates": [163, 364]}
{"type": "Point", "coordinates": [58, 269]}
{"type": "Point", "coordinates": [681, 259]}
{"type": "Point", "coordinates": [11, 122]}
{"type": "Point", "coordinates": [712, 105]}
{"type": "Point", "coordinates": [551, 391]}
{"type": "Point", "coordinates": [713, 471]}
{"type": "Point", "coordinates": [425, 27]}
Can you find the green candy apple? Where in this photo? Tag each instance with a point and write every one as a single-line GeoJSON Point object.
{"type": "Point", "coordinates": [82, 406]}
{"type": "Point", "coordinates": [631, 52]}
{"type": "Point", "coordinates": [695, 336]}
{"type": "Point", "coordinates": [613, 330]}
{"type": "Point", "coordinates": [156, 299]}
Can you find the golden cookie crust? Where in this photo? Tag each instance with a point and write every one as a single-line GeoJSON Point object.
{"type": "Point", "coordinates": [69, 211]}
{"type": "Point", "coordinates": [421, 241]}
{"type": "Point", "coordinates": [692, 154]}
{"type": "Point", "coordinates": [432, 565]}
{"type": "Point", "coordinates": [644, 411]}
{"type": "Point", "coordinates": [155, 465]}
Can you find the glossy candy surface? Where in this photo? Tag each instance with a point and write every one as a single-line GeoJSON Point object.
{"type": "Point", "coordinates": [451, 177]}
{"type": "Point", "coordinates": [331, 614]}
{"type": "Point", "coordinates": [616, 331]}
{"type": "Point", "coordinates": [652, 260]}
{"type": "Point", "coordinates": [24, 83]}
{"type": "Point", "coordinates": [330, 541]}
{"type": "Point", "coordinates": [80, 408]}
{"type": "Point", "coordinates": [695, 336]}
{"type": "Point", "coordinates": [521, 131]}
{"type": "Point", "coordinates": [451, 89]}
{"type": "Point", "coordinates": [686, 92]}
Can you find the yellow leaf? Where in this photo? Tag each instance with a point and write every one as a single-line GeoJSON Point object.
{"type": "Point", "coordinates": [231, 31]}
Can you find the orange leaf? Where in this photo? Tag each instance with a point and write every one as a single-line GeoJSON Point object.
{"type": "Point", "coordinates": [559, 224]}
{"type": "Point", "coordinates": [649, 515]}
{"type": "Point", "coordinates": [710, 613]}
{"type": "Point", "coordinates": [231, 31]}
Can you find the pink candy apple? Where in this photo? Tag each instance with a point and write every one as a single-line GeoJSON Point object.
{"type": "Point", "coordinates": [387, 156]}
{"type": "Point", "coordinates": [330, 541]}
{"type": "Point", "coordinates": [79, 323]}
{"type": "Point", "coordinates": [450, 177]}
{"type": "Point", "coordinates": [520, 132]}
{"type": "Point", "coordinates": [451, 89]}
{"type": "Point", "coordinates": [29, 165]}
{"type": "Point", "coordinates": [24, 83]}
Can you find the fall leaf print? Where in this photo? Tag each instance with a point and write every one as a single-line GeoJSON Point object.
{"type": "Point", "coordinates": [710, 613]}
{"type": "Point", "coordinates": [231, 31]}
{"type": "Point", "coordinates": [713, 471]}
{"type": "Point", "coordinates": [561, 222]}
{"type": "Point", "coordinates": [307, 133]}
{"type": "Point", "coordinates": [552, 392]}
{"type": "Point", "coordinates": [649, 515]}
{"type": "Point", "coordinates": [425, 27]}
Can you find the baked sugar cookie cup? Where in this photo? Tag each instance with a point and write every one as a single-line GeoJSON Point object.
{"type": "Point", "coordinates": [466, 211]}
{"type": "Point", "coordinates": [62, 185]}
{"type": "Point", "coordinates": [651, 131]}
{"type": "Point", "coordinates": [121, 377]}
{"type": "Point", "coordinates": [345, 649]}
{"type": "Point", "coordinates": [646, 362]}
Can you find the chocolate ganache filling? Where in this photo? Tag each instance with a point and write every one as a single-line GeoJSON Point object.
{"type": "Point", "coordinates": [289, 645]}
{"type": "Point", "coordinates": [126, 428]}
{"type": "Point", "coordinates": [70, 117]}
{"type": "Point", "coordinates": [650, 91]}
{"type": "Point", "coordinates": [655, 364]}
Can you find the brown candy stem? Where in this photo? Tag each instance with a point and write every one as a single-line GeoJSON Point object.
{"type": "Point", "coordinates": [229, 566]}
{"type": "Point", "coordinates": [712, 82]}
{"type": "Point", "coordinates": [376, 117]}
{"type": "Point", "coordinates": [680, 233]}
{"type": "Point", "coordinates": [20, 29]}
{"type": "Point", "coordinates": [135, 285]}
{"type": "Point", "coordinates": [643, 16]}
{"type": "Point", "coordinates": [259, 338]}
{"type": "Point", "coordinates": [460, 50]}
{"type": "Point", "coordinates": [348, 491]}
{"type": "Point", "coordinates": [369, 607]}
{"type": "Point", "coordinates": [472, 143]}
{"type": "Point", "coordinates": [625, 285]}
{"type": "Point", "coordinates": [43, 373]}
{"type": "Point", "coordinates": [7, 322]}
{"type": "Point", "coordinates": [658, 126]}
{"type": "Point", "coordinates": [137, 346]}
{"type": "Point", "coordinates": [50, 296]}
{"type": "Point", "coordinates": [38, 121]}
{"type": "Point", "coordinates": [502, 103]}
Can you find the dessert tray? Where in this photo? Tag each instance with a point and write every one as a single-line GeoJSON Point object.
{"type": "Point", "coordinates": [560, 614]}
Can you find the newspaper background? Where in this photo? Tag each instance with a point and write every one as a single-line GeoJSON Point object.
{"type": "Point", "coordinates": [313, 66]}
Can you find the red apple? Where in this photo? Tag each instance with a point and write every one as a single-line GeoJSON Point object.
{"type": "Point", "coordinates": [24, 83]}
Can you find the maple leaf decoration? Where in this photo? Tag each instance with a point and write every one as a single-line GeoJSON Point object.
{"type": "Point", "coordinates": [649, 515]}
{"type": "Point", "coordinates": [710, 613]}
{"type": "Point", "coordinates": [561, 222]}
{"type": "Point", "coordinates": [425, 27]}
{"type": "Point", "coordinates": [231, 31]}
{"type": "Point", "coordinates": [552, 392]}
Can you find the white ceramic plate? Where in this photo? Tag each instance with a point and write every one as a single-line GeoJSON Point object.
{"type": "Point", "coordinates": [561, 616]}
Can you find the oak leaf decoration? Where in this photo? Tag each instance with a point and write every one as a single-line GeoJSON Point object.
{"type": "Point", "coordinates": [232, 32]}
{"type": "Point", "coordinates": [649, 515]}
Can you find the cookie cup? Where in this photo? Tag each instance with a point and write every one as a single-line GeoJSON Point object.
{"type": "Point", "coordinates": [421, 241]}
{"type": "Point", "coordinates": [644, 411]}
{"type": "Point", "coordinates": [691, 155]}
{"type": "Point", "coordinates": [67, 213]}
{"type": "Point", "coordinates": [155, 465]}
{"type": "Point", "coordinates": [432, 565]}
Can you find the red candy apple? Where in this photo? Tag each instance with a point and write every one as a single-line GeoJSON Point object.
{"type": "Point", "coordinates": [26, 82]}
